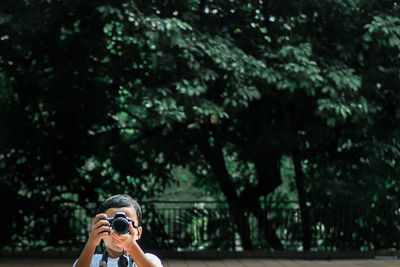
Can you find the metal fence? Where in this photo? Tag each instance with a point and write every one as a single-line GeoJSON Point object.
{"type": "Point", "coordinates": [192, 226]}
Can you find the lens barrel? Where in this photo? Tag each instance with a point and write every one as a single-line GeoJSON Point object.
{"type": "Point", "coordinates": [120, 225]}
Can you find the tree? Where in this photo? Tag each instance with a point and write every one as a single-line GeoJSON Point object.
{"type": "Point", "coordinates": [309, 97]}
{"type": "Point", "coordinates": [225, 89]}
{"type": "Point", "coordinates": [57, 107]}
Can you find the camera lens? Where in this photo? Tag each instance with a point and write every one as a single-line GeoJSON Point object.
{"type": "Point", "coordinates": [120, 225]}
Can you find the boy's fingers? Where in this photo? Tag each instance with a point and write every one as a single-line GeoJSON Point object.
{"type": "Point", "coordinates": [102, 222]}
{"type": "Point", "coordinates": [103, 234]}
{"type": "Point", "coordinates": [99, 217]}
{"type": "Point", "coordinates": [114, 234]}
{"type": "Point", "coordinates": [104, 228]}
{"type": "Point", "coordinates": [131, 228]}
{"type": "Point", "coordinates": [117, 236]}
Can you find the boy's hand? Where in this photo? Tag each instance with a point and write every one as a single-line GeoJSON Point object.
{"type": "Point", "coordinates": [100, 229]}
{"type": "Point", "coordinates": [126, 240]}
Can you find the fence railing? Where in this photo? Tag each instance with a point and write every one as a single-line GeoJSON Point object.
{"type": "Point", "coordinates": [191, 226]}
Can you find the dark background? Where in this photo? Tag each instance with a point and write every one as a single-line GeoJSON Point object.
{"type": "Point", "coordinates": [277, 120]}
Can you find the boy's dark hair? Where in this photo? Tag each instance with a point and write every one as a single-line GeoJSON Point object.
{"type": "Point", "coordinates": [121, 201]}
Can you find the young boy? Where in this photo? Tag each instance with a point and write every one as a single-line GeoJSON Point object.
{"type": "Point", "coordinates": [121, 249]}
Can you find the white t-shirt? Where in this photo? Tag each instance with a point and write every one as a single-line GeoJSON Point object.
{"type": "Point", "coordinates": [113, 262]}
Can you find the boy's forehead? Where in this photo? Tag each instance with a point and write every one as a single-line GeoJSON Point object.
{"type": "Point", "coordinates": [130, 212]}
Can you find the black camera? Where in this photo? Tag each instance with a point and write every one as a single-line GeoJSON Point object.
{"type": "Point", "coordinates": [120, 222]}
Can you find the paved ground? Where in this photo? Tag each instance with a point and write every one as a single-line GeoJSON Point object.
{"type": "Point", "coordinates": [218, 263]}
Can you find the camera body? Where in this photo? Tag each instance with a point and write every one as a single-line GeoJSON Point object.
{"type": "Point", "coordinates": [120, 222]}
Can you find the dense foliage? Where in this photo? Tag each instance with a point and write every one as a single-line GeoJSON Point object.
{"type": "Point", "coordinates": [99, 97]}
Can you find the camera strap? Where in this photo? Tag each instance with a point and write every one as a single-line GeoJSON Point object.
{"type": "Point", "coordinates": [123, 261]}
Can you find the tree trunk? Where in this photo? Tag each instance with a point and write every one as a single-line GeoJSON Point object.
{"type": "Point", "coordinates": [215, 158]}
{"type": "Point", "coordinates": [265, 227]}
{"type": "Point", "coordinates": [305, 220]}
{"type": "Point", "coordinates": [293, 143]}
{"type": "Point", "coordinates": [269, 178]}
